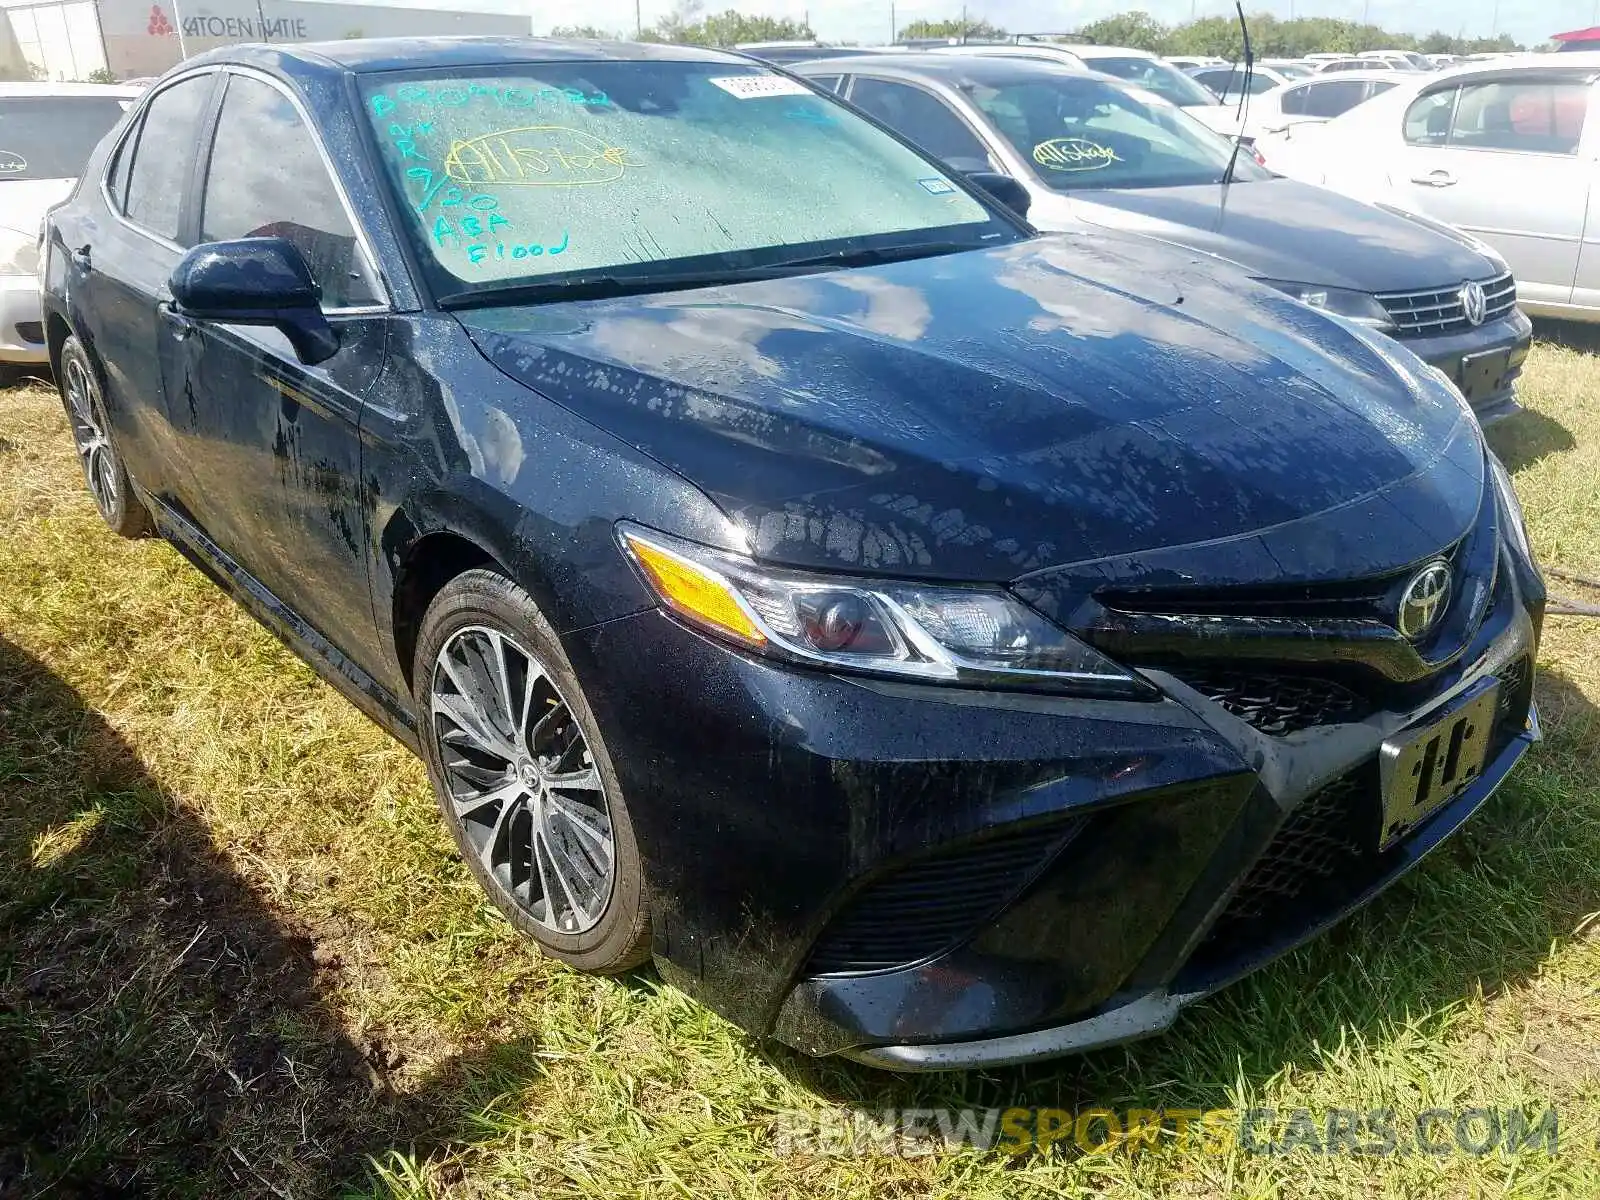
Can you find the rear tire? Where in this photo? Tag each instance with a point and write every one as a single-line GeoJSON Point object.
{"type": "Point", "coordinates": [523, 778]}
{"type": "Point", "coordinates": [103, 472]}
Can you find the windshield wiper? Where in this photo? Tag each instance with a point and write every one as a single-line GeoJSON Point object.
{"type": "Point", "coordinates": [605, 285]}
{"type": "Point", "coordinates": [601, 286]}
{"type": "Point", "coordinates": [871, 256]}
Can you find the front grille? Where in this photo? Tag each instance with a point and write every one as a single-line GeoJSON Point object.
{"type": "Point", "coordinates": [31, 331]}
{"type": "Point", "coordinates": [927, 907]}
{"type": "Point", "coordinates": [1419, 314]}
{"type": "Point", "coordinates": [1278, 704]}
{"type": "Point", "coordinates": [1329, 841]}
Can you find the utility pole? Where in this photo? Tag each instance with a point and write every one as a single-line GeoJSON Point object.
{"type": "Point", "coordinates": [638, 21]}
{"type": "Point", "coordinates": [894, 32]}
{"type": "Point", "coordinates": [1494, 28]}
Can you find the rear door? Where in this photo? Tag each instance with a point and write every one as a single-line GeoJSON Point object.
{"type": "Point", "coordinates": [119, 258]}
{"type": "Point", "coordinates": [1501, 158]}
{"type": "Point", "coordinates": [1586, 283]}
{"type": "Point", "coordinates": [272, 444]}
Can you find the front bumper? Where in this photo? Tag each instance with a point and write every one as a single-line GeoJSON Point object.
{"type": "Point", "coordinates": [809, 842]}
{"type": "Point", "coordinates": [1501, 347]}
{"type": "Point", "coordinates": [22, 337]}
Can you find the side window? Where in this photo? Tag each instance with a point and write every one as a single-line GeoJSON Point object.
{"type": "Point", "coordinates": [1428, 118]}
{"type": "Point", "coordinates": [1332, 99]}
{"type": "Point", "coordinates": [828, 83]}
{"type": "Point", "coordinates": [117, 181]}
{"type": "Point", "coordinates": [1258, 83]}
{"type": "Point", "coordinates": [1377, 87]}
{"type": "Point", "coordinates": [1217, 81]}
{"type": "Point", "coordinates": [285, 193]}
{"type": "Point", "coordinates": [159, 173]}
{"type": "Point", "coordinates": [924, 119]}
{"type": "Point", "coordinates": [1295, 100]}
{"type": "Point", "coordinates": [1533, 116]}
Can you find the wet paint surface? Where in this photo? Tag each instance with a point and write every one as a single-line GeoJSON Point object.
{"type": "Point", "coordinates": [1112, 401]}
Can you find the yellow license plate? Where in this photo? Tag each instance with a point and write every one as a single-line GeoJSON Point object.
{"type": "Point", "coordinates": [1423, 769]}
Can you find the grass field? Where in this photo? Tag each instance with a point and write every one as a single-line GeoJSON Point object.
{"type": "Point", "coordinates": [238, 958]}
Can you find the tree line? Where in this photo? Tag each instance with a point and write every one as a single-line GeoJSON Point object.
{"type": "Point", "coordinates": [1270, 37]}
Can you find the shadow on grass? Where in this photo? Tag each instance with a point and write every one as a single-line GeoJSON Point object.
{"type": "Point", "coordinates": [1525, 437]}
{"type": "Point", "coordinates": [162, 1031]}
{"type": "Point", "coordinates": [1582, 336]}
{"type": "Point", "coordinates": [1480, 914]}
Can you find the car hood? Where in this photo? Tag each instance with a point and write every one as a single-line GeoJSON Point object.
{"type": "Point", "coordinates": [1281, 229]}
{"type": "Point", "coordinates": [987, 414]}
{"type": "Point", "coordinates": [23, 201]}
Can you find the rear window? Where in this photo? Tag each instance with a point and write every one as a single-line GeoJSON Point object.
{"type": "Point", "coordinates": [52, 137]}
{"type": "Point", "coordinates": [1162, 78]}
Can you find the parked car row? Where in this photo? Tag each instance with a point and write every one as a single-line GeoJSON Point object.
{"type": "Point", "coordinates": [931, 641]}
{"type": "Point", "coordinates": [1505, 150]}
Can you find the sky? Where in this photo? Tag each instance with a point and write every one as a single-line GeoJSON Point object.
{"type": "Point", "coordinates": [1529, 21]}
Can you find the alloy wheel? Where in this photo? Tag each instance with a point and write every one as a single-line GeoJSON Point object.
{"type": "Point", "coordinates": [89, 435]}
{"type": "Point", "coordinates": [521, 779]}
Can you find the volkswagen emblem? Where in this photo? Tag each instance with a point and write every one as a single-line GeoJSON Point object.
{"type": "Point", "coordinates": [1474, 304]}
{"type": "Point", "coordinates": [1425, 600]}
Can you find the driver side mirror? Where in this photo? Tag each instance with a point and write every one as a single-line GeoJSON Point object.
{"type": "Point", "coordinates": [255, 281]}
{"type": "Point", "coordinates": [1004, 189]}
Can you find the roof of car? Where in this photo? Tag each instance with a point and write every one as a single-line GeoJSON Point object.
{"type": "Point", "coordinates": [1110, 52]}
{"type": "Point", "coordinates": [403, 53]}
{"type": "Point", "coordinates": [979, 67]}
{"type": "Point", "coordinates": [68, 89]}
{"type": "Point", "coordinates": [1317, 80]}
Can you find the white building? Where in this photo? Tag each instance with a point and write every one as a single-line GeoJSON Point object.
{"type": "Point", "coordinates": [71, 39]}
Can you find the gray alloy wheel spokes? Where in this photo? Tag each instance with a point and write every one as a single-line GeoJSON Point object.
{"type": "Point", "coordinates": [88, 433]}
{"type": "Point", "coordinates": [522, 780]}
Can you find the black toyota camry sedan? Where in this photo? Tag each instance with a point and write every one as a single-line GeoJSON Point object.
{"type": "Point", "coordinates": [929, 642]}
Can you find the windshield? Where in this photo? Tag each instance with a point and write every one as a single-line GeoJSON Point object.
{"type": "Point", "coordinates": [52, 137]}
{"type": "Point", "coordinates": [1076, 131]}
{"type": "Point", "coordinates": [1162, 78]}
{"type": "Point", "coordinates": [543, 171]}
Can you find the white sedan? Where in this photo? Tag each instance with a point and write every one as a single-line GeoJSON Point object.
{"type": "Point", "coordinates": [47, 132]}
{"type": "Point", "coordinates": [1314, 101]}
{"type": "Point", "coordinates": [1508, 151]}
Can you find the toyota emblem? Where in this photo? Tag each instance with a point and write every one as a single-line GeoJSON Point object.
{"type": "Point", "coordinates": [1474, 304]}
{"type": "Point", "coordinates": [1425, 600]}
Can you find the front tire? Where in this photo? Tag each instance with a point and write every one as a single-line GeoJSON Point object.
{"type": "Point", "coordinates": [523, 778]}
{"type": "Point", "coordinates": [103, 471]}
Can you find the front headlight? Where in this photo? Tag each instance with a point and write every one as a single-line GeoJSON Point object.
{"type": "Point", "coordinates": [1359, 307]}
{"type": "Point", "coordinates": [1511, 507]}
{"type": "Point", "coordinates": [978, 637]}
{"type": "Point", "coordinates": [19, 253]}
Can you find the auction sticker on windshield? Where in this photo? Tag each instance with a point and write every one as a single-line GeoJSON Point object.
{"type": "Point", "coordinates": [753, 87]}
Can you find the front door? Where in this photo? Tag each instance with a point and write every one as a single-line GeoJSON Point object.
{"type": "Point", "coordinates": [271, 444]}
{"type": "Point", "coordinates": [1500, 159]}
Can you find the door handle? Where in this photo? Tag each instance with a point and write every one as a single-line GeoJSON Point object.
{"type": "Point", "coordinates": [180, 325]}
{"type": "Point", "coordinates": [80, 257]}
{"type": "Point", "coordinates": [1435, 179]}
